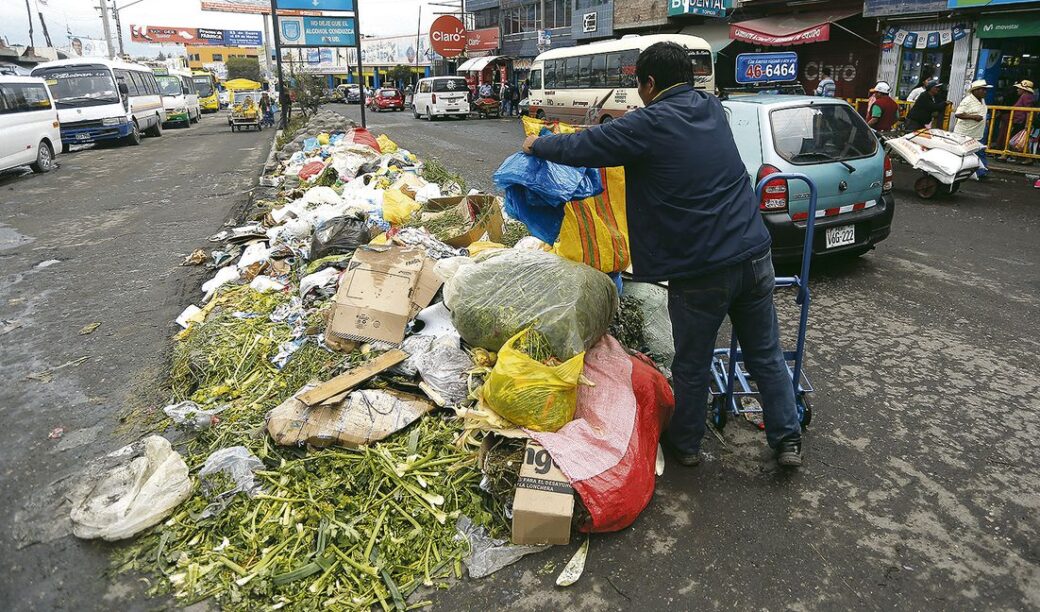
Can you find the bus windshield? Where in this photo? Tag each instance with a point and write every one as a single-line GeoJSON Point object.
{"type": "Point", "coordinates": [204, 85]}
{"type": "Point", "coordinates": [74, 86]}
{"type": "Point", "coordinates": [169, 85]}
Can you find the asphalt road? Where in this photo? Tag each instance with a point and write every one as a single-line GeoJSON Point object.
{"type": "Point", "coordinates": [98, 240]}
{"type": "Point", "coordinates": [920, 489]}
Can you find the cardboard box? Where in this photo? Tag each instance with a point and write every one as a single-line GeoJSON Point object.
{"type": "Point", "coordinates": [381, 290]}
{"type": "Point", "coordinates": [492, 225]}
{"type": "Point", "coordinates": [409, 184]}
{"type": "Point", "coordinates": [544, 503]}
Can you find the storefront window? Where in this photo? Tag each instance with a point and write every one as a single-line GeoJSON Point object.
{"type": "Point", "coordinates": [920, 65]}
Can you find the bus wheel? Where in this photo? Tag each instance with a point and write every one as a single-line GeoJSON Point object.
{"type": "Point", "coordinates": [155, 130]}
{"type": "Point", "coordinates": [605, 120]}
{"type": "Point", "coordinates": [134, 137]}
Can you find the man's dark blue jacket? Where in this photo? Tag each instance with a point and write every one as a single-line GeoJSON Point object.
{"type": "Point", "coordinates": [691, 207]}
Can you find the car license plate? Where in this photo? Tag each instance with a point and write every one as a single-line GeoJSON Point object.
{"type": "Point", "coordinates": [841, 236]}
{"type": "Point", "coordinates": [82, 136]}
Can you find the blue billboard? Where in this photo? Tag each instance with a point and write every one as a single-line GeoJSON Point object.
{"type": "Point", "coordinates": [243, 38]}
{"type": "Point", "coordinates": [767, 67]}
{"type": "Point", "coordinates": [317, 31]}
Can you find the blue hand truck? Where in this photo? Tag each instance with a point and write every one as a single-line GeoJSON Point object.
{"type": "Point", "coordinates": [727, 365]}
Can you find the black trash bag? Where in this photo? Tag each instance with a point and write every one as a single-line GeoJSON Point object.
{"type": "Point", "coordinates": [368, 168]}
{"type": "Point", "coordinates": [339, 235]}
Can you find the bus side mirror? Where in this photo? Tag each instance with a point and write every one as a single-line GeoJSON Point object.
{"type": "Point", "coordinates": [123, 89]}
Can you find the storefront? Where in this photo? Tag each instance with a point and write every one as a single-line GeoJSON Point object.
{"type": "Point", "coordinates": [837, 39]}
{"type": "Point", "coordinates": [493, 69]}
{"type": "Point", "coordinates": [1009, 54]}
{"type": "Point", "coordinates": [912, 52]}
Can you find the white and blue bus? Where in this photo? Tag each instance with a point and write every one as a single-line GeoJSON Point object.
{"type": "Point", "coordinates": [103, 100]}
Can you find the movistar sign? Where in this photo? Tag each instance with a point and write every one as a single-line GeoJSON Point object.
{"type": "Point", "coordinates": [709, 8]}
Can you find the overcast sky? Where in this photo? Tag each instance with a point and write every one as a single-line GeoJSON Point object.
{"type": "Point", "coordinates": [78, 17]}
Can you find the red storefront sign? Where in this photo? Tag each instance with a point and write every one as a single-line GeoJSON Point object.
{"type": "Point", "coordinates": [817, 33]}
{"type": "Point", "coordinates": [482, 40]}
{"type": "Point", "coordinates": [448, 36]}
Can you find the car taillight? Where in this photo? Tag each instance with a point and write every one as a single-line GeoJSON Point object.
{"type": "Point", "coordinates": [886, 184]}
{"type": "Point", "coordinates": [433, 98]}
{"type": "Point", "coordinates": [774, 194]}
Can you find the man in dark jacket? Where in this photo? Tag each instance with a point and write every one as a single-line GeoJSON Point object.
{"type": "Point", "coordinates": [928, 109]}
{"type": "Point", "coordinates": [694, 222]}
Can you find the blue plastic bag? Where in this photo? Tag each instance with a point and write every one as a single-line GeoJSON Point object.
{"type": "Point", "coordinates": [537, 190]}
{"type": "Point", "coordinates": [310, 144]}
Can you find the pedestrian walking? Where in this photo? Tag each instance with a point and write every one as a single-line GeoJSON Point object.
{"type": "Point", "coordinates": [507, 99]}
{"type": "Point", "coordinates": [882, 111]}
{"type": "Point", "coordinates": [267, 110]}
{"type": "Point", "coordinates": [514, 91]}
{"type": "Point", "coordinates": [694, 222]}
{"type": "Point", "coordinates": [525, 89]}
{"type": "Point", "coordinates": [1026, 99]}
{"type": "Point", "coordinates": [971, 119]}
{"type": "Point", "coordinates": [929, 108]}
{"type": "Point", "coordinates": [827, 87]}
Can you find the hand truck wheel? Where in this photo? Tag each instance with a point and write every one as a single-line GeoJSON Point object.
{"type": "Point", "coordinates": [804, 410]}
{"type": "Point", "coordinates": [926, 187]}
{"type": "Point", "coordinates": [719, 412]}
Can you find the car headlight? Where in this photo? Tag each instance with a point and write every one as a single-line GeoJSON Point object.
{"type": "Point", "coordinates": [113, 121]}
{"type": "Point", "coordinates": [181, 109]}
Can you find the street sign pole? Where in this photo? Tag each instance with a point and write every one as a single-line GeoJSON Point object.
{"type": "Point", "coordinates": [361, 74]}
{"type": "Point", "coordinates": [283, 95]}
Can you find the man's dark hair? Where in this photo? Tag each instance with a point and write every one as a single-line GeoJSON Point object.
{"type": "Point", "coordinates": [667, 62]}
{"type": "Point", "coordinates": [827, 72]}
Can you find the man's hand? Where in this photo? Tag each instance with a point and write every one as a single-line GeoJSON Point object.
{"type": "Point", "coordinates": [528, 143]}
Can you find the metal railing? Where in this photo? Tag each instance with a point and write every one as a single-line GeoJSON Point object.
{"type": "Point", "coordinates": [999, 127]}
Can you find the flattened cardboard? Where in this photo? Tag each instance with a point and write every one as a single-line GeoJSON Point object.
{"type": "Point", "coordinates": [543, 505]}
{"type": "Point", "coordinates": [352, 378]}
{"type": "Point", "coordinates": [471, 207]}
{"type": "Point", "coordinates": [363, 417]}
{"type": "Point", "coordinates": [382, 288]}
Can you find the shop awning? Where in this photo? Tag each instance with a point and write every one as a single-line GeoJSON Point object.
{"type": "Point", "coordinates": [782, 31]}
{"type": "Point", "coordinates": [715, 34]}
{"type": "Point", "coordinates": [477, 64]}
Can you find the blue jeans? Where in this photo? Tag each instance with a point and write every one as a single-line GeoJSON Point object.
{"type": "Point", "coordinates": [697, 307]}
{"type": "Point", "coordinates": [984, 169]}
{"type": "Point", "coordinates": [507, 107]}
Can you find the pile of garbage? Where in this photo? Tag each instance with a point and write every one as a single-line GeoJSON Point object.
{"type": "Point", "coordinates": [376, 391]}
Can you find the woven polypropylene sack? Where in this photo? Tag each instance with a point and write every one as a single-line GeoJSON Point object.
{"type": "Point", "coordinates": [571, 304]}
{"type": "Point", "coordinates": [531, 394]}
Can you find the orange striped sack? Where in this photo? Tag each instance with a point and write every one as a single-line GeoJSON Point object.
{"type": "Point", "coordinates": [595, 230]}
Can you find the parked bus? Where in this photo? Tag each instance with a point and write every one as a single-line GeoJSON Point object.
{"type": "Point", "coordinates": [180, 99]}
{"type": "Point", "coordinates": [101, 100]}
{"type": "Point", "coordinates": [592, 84]}
{"type": "Point", "coordinates": [206, 87]}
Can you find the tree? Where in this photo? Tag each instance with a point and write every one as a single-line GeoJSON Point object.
{"type": "Point", "coordinates": [243, 68]}
{"type": "Point", "coordinates": [400, 73]}
{"type": "Point", "coordinates": [307, 91]}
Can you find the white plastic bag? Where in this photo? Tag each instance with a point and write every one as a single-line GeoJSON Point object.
{"type": "Point", "coordinates": [223, 276]}
{"type": "Point", "coordinates": [192, 416]}
{"type": "Point", "coordinates": [239, 464]}
{"type": "Point", "coordinates": [130, 490]}
{"type": "Point", "coordinates": [445, 367]}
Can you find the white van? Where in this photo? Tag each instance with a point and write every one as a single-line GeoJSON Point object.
{"type": "Point", "coordinates": [441, 97]}
{"type": "Point", "coordinates": [103, 100]}
{"type": "Point", "coordinates": [29, 124]}
{"type": "Point", "coordinates": [179, 96]}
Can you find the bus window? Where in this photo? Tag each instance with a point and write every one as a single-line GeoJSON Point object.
{"type": "Point", "coordinates": [628, 68]}
{"type": "Point", "coordinates": [536, 79]}
{"type": "Point", "coordinates": [550, 74]}
{"type": "Point", "coordinates": [598, 71]}
{"type": "Point", "coordinates": [140, 82]}
{"type": "Point", "coordinates": [585, 71]}
{"type": "Point", "coordinates": [701, 60]}
{"type": "Point", "coordinates": [570, 73]}
{"type": "Point", "coordinates": [613, 76]}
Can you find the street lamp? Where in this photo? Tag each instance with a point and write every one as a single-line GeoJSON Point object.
{"type": "Point", "coordinates": [119, 25]}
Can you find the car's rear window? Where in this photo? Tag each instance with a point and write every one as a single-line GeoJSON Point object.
{"type": "Point", "coordinates": [442, 85]}
{"type": "Point", "coordinates": [820, 133]}
{"type": "Point", "coordinates": [388, 93]}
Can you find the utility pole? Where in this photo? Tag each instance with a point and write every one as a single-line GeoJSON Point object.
{"type": "Point", "coordinates": [28, 13]}
{"type": "Point", "coordinates": [119, 26]}
{"type": "Point", "coordinates": [108, 28]}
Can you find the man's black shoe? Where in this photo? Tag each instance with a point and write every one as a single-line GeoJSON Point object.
{"type": "Point", "coordinates": [789, 452]}
{"type": "Point", "coordinates": [684, 458]}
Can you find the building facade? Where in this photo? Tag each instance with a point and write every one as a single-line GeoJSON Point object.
{"type": "Point", "coordinates": [200, 55]}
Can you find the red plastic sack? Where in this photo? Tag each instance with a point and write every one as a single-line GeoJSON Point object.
{"type": "Point", "coordinates": [616, 497]}
{"type": "Point", "coordinates": [310, 169]}
{"type": "Point", "coordinates": [364, 137]}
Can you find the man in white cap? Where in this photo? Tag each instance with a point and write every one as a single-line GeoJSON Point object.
{"type": "Point", "coordinates": [971, 118]}
{"type": "Point", "coordinates": [882, 110]}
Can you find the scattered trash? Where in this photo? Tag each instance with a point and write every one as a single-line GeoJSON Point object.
{"type": "Point", "coordinates": [236, 464]}
{"type": "Point", "coordinates": [9, 325]}
{"type": "Point", "coordinates": [445, 367]}
{"type": "Point", "coordinates": [188, 316]}
{"type": "Point", "coordinates": [543, 505]}
{"type": "Point", "coordinates": [56, 433]}
{"type": "Point", "coordinates": [89, 328]}
{"type": "Point", "coordinates": [575, 567]}
{"type": "Point", "coordinates": [129, 490]}
{"type": "Point", "coordinates": [190, 415]}
{"type": "Point", "coordinates": [48, 374]}
{"type": "Point", "coordinates": [266, 283]}
{"type": "Point", "coordinates": [487, 555]}
{"type": "Point", "coordinates": [196, 258]}
{"type": "Point", "coordinates": [47, 263]}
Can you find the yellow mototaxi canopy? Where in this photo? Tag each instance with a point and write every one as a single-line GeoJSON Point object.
{"type": "Point", "coordinates": [242, 85]}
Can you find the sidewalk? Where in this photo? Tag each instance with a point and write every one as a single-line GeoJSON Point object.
{"type": "Point", "coordinates": [1011, 168]}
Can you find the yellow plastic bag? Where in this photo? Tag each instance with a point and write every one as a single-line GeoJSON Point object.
{"type": "Point", "coordinates": [533, 127]}
{"type": "Point", "coordinates": [398, 207]}
{"type": "Point", "coordinates": [323, 138]}
{"type": "Point", "coordinates": [481, 246]}
{"type": "Point", "coordinates": [595, 230]}
{"type": "Point", "coordinates": [532, 394]}
{"type": "Point", "coordinates": [386, 145]}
